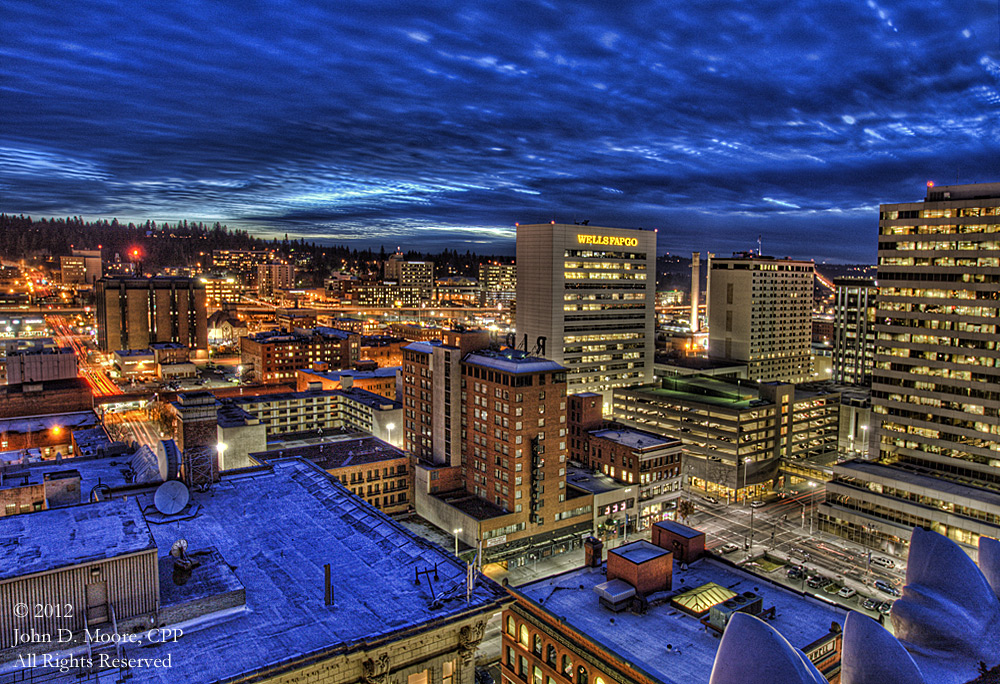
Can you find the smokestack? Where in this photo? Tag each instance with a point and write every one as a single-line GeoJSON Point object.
{"type": "Point", "coordinates": [708, 286]}
{"type": "Point", "coordinates": [695, 288]}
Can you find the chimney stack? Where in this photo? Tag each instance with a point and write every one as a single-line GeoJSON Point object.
{"type": "Point", "coordinates": [593, 549]}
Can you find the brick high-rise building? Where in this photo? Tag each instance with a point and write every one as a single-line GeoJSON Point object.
{"type": "Point", "coordinates": [489, 429]}
{"type": "Point", "coordinates": [760, 313]}
{"type": "Point", "coordinates": [273, 357]}
{"type": "Point", "coordinates": [433, 422]}
{"type": "Point", "coordinates": [132, 313]}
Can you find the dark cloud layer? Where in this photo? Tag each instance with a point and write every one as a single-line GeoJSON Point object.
{"type": "Point", "coordinates": [442, 124]}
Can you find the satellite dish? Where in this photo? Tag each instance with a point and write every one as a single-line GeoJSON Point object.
{"type": "Point", "coordinates": [171, 497]}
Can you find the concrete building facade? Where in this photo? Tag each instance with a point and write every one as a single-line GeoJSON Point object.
{"type": "Point", "coordinates": [935, 387]}
{"type": "Point", "coordinates": [132, 313]}
{"type": "Point", "coordinates": [737, 435]}
{"type": "Point", "coordinates": [854, 331]}
{"type": "Point", "coordinates": [760, 314]}
{"type": "Point", "coordinates": [589, 292]}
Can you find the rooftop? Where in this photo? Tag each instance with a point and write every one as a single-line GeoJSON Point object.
{"type": "Point", "coordinates": [77, 420]}
{"type": "Point", "coordinates": [426, 347]}
{"type": "Point", "coordinates": [636, 439]}
{"type": "Point", "coordinates": [639, 551]}
{"type": "Point", "coordinates": [473, 506]}
{"type": "Point", "coordinates": [703, 389]}
{"type": "Point", "coordinates": [595, 483]}
{"type": "Point", "coordinates": [336, 375]}
{"type": "Point", "coordinates": [905, 474]}
{"type": "Point", "coordinates": [91, 441]}
{"type": "Point", "coordinates": [133, 352]}
{"type": "Point", "coordinates": [61, 537]}
{"type": "Point", "coordinates": [278, 553]}
{"type": "Point", "coordinates": [118, 470]}
{"type": "Point", "coordinates": [512, 361]}
{"type": "Point", "coordinates": [679, 529]}
{"type": "Point", "coordinates": [338, 454]}
{"type": "Point", "coordinates": [642, 639]}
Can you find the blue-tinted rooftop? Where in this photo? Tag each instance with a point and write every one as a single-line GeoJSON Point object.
{"type": "Point", "coordinates": [78, 420]}
{"type": "Point", "coordinates": [635, 439]}
{"type": "Point", "coordinates": [277, 527]}
{"type": "Point", "coordinates": [510, 361]}
{"type": "Point", "coordinates": [642, 640]}
{"type": "Point", "coordinates": [336, 375]}
{"type": "Point", "coordinates": [62, 537]}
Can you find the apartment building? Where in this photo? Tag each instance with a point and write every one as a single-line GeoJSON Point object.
{"type": "Point", "coordinates": [272, 357]}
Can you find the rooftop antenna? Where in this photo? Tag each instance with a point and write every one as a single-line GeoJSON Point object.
{"type": "Point", "coordinates": [759, 253]}
{"type": "Point", "coordinates": [171, 497]}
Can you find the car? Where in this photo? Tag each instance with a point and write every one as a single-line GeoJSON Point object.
{"type": "Point", "coordinates": [870, 604]}
{"type": "Point", "coordinates": [884, 608]}
{"type": "Point", "coordinates": [883, 562]}
{"type": "Point", "coordinates": [711, 499]}
{"type": "Point", "coordinates": [483, 676]}
{"type": "Point", "coordinates": [846, 592]}
{"type": "Point", "coordinates": [886, 588]}
{"type": "Point", "coordinates": [729, 547]}
{"type": "Point", "coordinates": [795, 573]}
{"type": "Point", "coordinates": [817, 581]}
{"type": "Point", "coordinates": [756, 504]}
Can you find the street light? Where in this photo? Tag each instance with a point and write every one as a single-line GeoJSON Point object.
{"type": "Point", "coordinates": [812, 508]}
{"type": "Point", "coordinates": [456, 532]}
{"type": "Point", "coordinates": [746, 463]}
{"type": "Point", "coordinates": [389, 427]}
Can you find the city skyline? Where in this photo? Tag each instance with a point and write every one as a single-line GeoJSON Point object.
{"type": "Point", "coordinates": [399, 123]}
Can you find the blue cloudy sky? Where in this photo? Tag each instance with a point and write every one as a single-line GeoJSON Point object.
{"type": "Point", "coordinates": [432, 124]}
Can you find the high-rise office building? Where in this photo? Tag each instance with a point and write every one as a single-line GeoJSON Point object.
{"type": "Point", "coordinates": [590, 293]}
{"type": "Point", "coordinates": [499, 282]}
{"type": "Point", "coordinates": [935, 385]}
{"type": "Point", "coordinates": [132, 313]}
{"type": "Point", "coordinates": [82, 266]}
{"type": "Point", "coordinates": [760, 314]}
{"type": "Point", "coordinates": [854, 330]}
{"type": "Point", "coordinates": [272, 277]}
{"type": "Point", "coordinates": [405, 273]}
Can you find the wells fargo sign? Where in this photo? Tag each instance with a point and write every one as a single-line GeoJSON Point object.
{"type": "Point", "coordinates": [609, 240]}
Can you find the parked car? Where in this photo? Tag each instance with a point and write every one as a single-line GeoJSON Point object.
{"type": "Point", "coordinates": [483, 676]}
{"type": "Point", "coordinates": [886, 588]}
{"type": "Point", "coordinates": [756, 504]}
{"type": "Point", "coordinates": [870, 604]}
{"type": "Point", "coordinates": [846, 592]}
{"type": "Point", "coordinates": [884, 608]}
{"type": "Point", "coordinates": [795, 573]}
{"type": "Point", "coordinates": [711, 499]}
{"type": "Point", "coordinates": [883, 562]}
{"type": "Point", "coordinates": [729, 547]}
{"type": "Point", "coordinates": [817, 581]}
